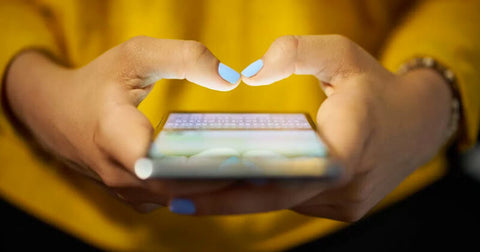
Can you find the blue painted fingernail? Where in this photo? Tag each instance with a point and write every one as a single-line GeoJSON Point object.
{"type": "Point", "coordinates": [182, 206]}
{"type": "Point", "coordinates": [253, 68]}
{"type": "Point", "coordinates": [228, 74]}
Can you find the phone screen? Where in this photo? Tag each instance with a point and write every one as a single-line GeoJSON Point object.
{"type": "Point", "coordinates": [237, 145]}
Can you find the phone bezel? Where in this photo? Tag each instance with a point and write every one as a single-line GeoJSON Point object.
{"type": "Point", "coordinates": [331, 174]}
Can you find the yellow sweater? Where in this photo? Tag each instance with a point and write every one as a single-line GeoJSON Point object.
{"type": "Point", "coordinates": [237, 32]}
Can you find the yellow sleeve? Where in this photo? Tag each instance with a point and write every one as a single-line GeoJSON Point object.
{"type": "Point", "coordinates": [446, 30]}
{"type": "Point", "coordinates": [23, 27]}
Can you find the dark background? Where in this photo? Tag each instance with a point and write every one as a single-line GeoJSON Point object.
{"type": "Point", "coordinates": [445, 215]}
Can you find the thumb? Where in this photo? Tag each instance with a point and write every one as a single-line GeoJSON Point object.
{"type": "Point", "coordinates": [124, 134]}
{"type": "Point", "coordinates": [344, 127]}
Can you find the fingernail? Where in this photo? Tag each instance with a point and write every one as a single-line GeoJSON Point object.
{"type": "Point", "coordinates": [143, 168]}
{"type": "Point", "coordinates": [253, 68]}
{"type": "Point", "coordinates": [182, 206]}
{"type": "Point", "coordinates": [148, 207]}
{"type": "Point", "coordinates": [228, 74]}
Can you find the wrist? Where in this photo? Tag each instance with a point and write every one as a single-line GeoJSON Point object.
{"type": "Point", "coordinates": [28, 79]}
{"type": "Point", "coordinates": [435, 99]}
{"type": "Point", "coordinates": [450, 81]}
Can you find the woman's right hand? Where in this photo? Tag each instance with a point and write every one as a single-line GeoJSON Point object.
{"type": "Point", "coordinates": [89, 118]}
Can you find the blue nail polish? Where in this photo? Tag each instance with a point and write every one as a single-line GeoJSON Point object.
{"type": "Point", "coordinates": [182, 206]}
{"type": "Point", "coordinates": [253, 68]}
{"type": "Point", "coordinates": [228, 74]}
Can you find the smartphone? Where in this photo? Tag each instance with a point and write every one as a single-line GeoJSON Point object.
{"type": "Point", "coordinates": [206, 145]}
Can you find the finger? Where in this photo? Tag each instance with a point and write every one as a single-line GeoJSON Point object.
{"type": "Point", "coordinates": [334, 60]}
{"type": "Point", "coordinates": [152, 59]}
{"type": "Point", "coordinates": [137, 192]}
{"type": "Point", "coordinates": [129, 189]}
{"type": "Point", "coordinates": [354, 200]}
{"type": "Point", "coordinates": [333, 212]}
{"type": "Point", "coordinates": [138, 196]}
{"type": "Point", "coordinates": [246, 199]}
{"type": "Point", "coordinates": [124, 135]}
{"type": "Point", "coordinates": [328, 57]}
{"type": "Point", "coordinates": [115, 175]}
{"type": "Point", "coordinates": [327, 206]}
{"type": "Point", "coordinates": [141, 200]}
{"type": "Point", "coordinates": [179, 188]}
{"type": "Point", "coordinates": [158, 191]}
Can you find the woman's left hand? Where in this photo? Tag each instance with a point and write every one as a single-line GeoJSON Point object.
{"type": "Point", "coordinates": [378, 125]}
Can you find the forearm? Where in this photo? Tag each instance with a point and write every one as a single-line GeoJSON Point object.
{"type": "Point", "coordinates": [31, 82]}
{"type": "Point", "coordinates": [433, 97]}
{"type": "Point", "coordinates": [23, 28]}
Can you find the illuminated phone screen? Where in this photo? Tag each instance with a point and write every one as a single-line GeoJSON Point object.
{"type": "Point", "coordinates": [236, 145]}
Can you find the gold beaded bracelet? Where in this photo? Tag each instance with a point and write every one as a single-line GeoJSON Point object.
{"type": "Point", "coordinates": [450, 78]}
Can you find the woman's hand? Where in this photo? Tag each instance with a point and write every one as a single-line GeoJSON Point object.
{"type": "Point", "coordinates": [88, 116]}
{"type": "Point", "coordinates": [380, 126]}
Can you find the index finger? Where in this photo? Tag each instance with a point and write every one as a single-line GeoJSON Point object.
{"type": "Point", "coordinates": [152, 59]}
{"type": "Point", "coordinates": [248, 198]}
{"type": "Point", "coordinates": [330, 58]}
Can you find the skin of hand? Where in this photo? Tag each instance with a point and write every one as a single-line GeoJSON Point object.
{"type": "Point", "coordinates": [88, 116]}
{"type": "Point", "coordinates": [378, 125]}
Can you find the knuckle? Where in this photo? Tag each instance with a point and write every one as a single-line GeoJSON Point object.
{"type": "Point", "coordinates": [195, 48]}
{"type": "Point", "coordinates": [357, 203]}
{"type": "Point", "coordinates": [145, 124]}
{"type": "Point", "coordinates": [129, 55]}
{"type": "Point", "coordinates": [359, 197]}
{"type": "Point", "coordinates": [132, 47]}
{"type": "Point", "coordinates": [289, 40]}
{"type": "Point", "coordinates": [111, 180]}
{"type": "Point", "coordinates": [340, 40]}
{"type": "Point", "coordinates": [351, 55]}
{"type": "Point", "coordinates": [115, 179]}
{"type": "Point", "coordinates": [287, 43]}
{"type": "Point", "coordinates": [354, 215]}
{"type": "Point", "coordinates": [111, 177]}
{"type": "Point", "coordinates": [346, 46]}
{"type": "Point", "coordinates": [360, 192]}
{"type": "Point", "coordinates": [134, 43]}
{"type": "Point", "coordinates": [101, 130]}
{"type": "Point", "coordinates": [194, 51]}
{"type": "Point", "coordinates": [351, 214]}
